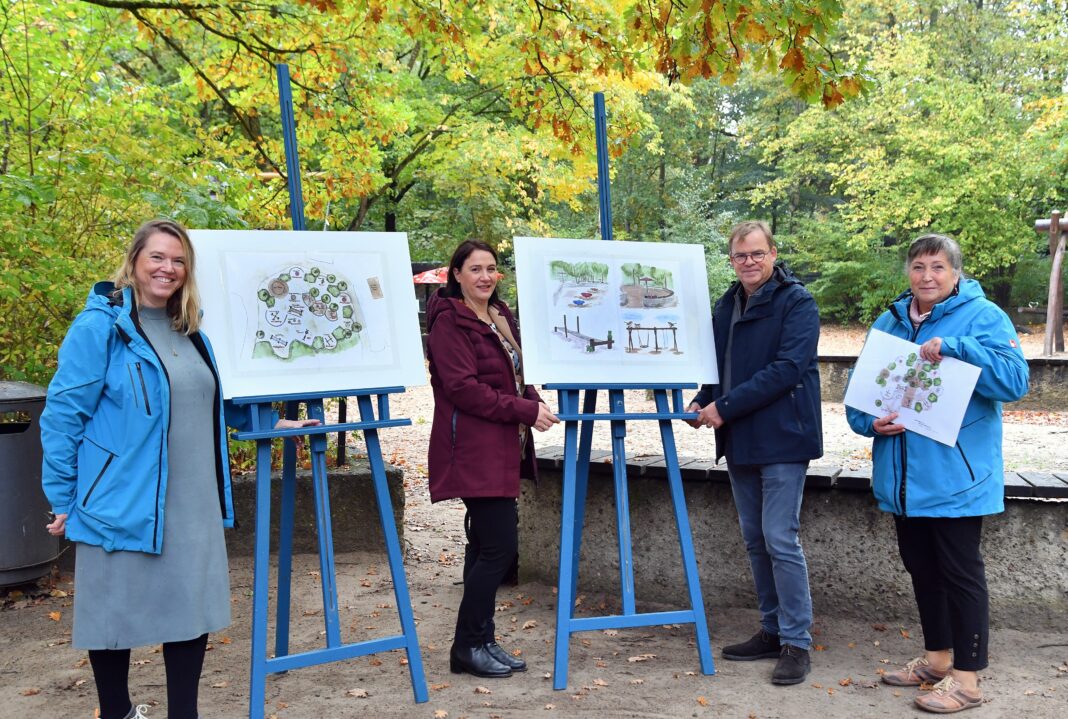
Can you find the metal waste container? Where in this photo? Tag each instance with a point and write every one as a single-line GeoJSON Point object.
{"type": "Point", "coordinates": [27, 550]}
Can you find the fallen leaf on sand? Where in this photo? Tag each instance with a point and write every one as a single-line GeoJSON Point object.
{"type": "Point", "coordinates": [641, 658]}
{"type": "Point", "coordinates": [482, 690]}
{"type": "Point", "coordinates": [440, 714]}
{"type": "Point", "coordinates": [702, 701]}
{"type": "Point", "coordinates": [439, 687]}
{"type": "Point", "coordinates": [600, 682]}
{"type": "Point", "coordinates": [220, 685]}
{"type": "Point", "coordinates": [358, 693]}
{"type": "Point", "coordinates": [904, 633]}
{"type": "Point", "coordinates": [54, 616]}
{"type": "Point", "coordinates": [879, 627]}
{"type": "Point", "coordinates": [550, 706]}
{"type": "Point", "coordinates": [637, 681]}
{"type": "Point", "coordinates": [845, 682]}
{"type": "Point", "coordinates": [529, 624]}
{"type": "Point", "coordinates": [31, 692]}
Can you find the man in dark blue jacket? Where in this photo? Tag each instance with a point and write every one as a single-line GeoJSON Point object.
{"type": "Point", "coordinates": [766, 415]}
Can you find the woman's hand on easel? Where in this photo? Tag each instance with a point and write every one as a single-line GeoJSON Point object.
{"type": "Point", "coordinates": [546, 418]}
{"type": "Point", "coordinates": [295, 424]}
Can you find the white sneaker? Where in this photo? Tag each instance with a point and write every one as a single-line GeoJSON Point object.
{"type": "Point", "coordinates": [137, 711]}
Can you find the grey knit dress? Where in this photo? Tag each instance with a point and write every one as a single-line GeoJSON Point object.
{"type": "Point", "coordinates": [130, 599]}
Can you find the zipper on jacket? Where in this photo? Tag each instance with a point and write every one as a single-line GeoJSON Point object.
{"type": "Point", "coordinates": [455, 412]}
{"type": "Point", "coordinates": [966, 462]}
{"type": "Point", "coordinates": [904, 448]}
{"type": "Point", "coordinates": [99, 476]}
{"type": "Point", "coordinates": [904, 475]}
{"type": "Point", "coordinates": [144, 389]}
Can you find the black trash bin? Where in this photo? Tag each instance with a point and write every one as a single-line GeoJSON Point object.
{"type": "Point", "coordinates": [27, 550]}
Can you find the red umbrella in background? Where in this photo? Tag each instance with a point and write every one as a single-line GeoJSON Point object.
{"type": "Point", "coordinates": [436, 276]}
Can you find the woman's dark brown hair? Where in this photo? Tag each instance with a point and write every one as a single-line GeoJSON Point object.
{"type": "Point", "coordinates": [459, 257]}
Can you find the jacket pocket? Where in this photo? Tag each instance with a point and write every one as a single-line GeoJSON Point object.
{"type": "Point", "coordinates": [144, 388]}
{"type": "Point", "coordinates": [967, 464]}
{"type": "Point", "coordinates": [94, 454]}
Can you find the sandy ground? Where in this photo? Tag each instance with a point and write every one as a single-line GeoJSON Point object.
{"type": "Point", "coordinates": [650, 672]}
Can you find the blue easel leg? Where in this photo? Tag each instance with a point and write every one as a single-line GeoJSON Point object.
{"type": "Point", "coordinates": [324, 526]}
{"type": "Point", "coordinates": [582, 476]}
{"type": "Point", "coordinates": [682, 522]}
{"type": "Point", "coordinates": [393, 552]}
{"type": "Point", "coordinates": [285, 540]}
{"type": "Point", "coordinates": [619, 474]}
{"type": "Point", "coordinates": [261, 571]}
{"type": "Point", "coordinates": [565, 591]}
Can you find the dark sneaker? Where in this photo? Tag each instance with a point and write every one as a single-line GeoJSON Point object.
{"type": "Point", "coordinates": [793, 666]}
{"type": "Point", "coordinates": [760, 646]}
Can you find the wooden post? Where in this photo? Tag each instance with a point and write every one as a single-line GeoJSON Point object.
{"type": "Point", "coordinates": [1054, 338]}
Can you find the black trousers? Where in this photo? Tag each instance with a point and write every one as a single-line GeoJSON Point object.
{"type": "Point", "coordinates": [183, 661]}
{"type": "Point", "coordinates": [492, 545]}
{"type": "Point", "coordinates": [942, 556]}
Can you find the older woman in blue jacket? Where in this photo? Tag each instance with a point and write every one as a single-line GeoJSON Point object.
{"type": "Point", "coordinates": [940, 494]}
{"type": "Point", "coordinates": [137, 473]}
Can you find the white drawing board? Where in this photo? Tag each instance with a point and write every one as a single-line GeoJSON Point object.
{"type": "Point", "coordinates": [929, 397]}
{"type": "Point", "coordinates": [290, 312]}
{"type": "Point", "coordinates": [595, 312]}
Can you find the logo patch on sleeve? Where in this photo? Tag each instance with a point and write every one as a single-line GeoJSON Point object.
{"type": "Point", "coordinates": [1012, 343]}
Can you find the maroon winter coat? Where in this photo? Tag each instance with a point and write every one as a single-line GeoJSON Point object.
{"type": "Point", "coordinates": [474, 441]}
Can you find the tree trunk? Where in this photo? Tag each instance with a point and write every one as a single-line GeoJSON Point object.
{"type": "Point", "coordinates": [1054, 340]}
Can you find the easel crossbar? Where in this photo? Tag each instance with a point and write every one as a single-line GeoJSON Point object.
{"type": "Point", "coordinates": [334, 654]}
{"type": "Point", "coordinates": [322, 429]}
{"type": "Point", "coordinates": [626, 621]}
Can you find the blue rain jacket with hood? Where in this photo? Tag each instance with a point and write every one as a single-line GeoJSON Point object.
{"type": "Point", "coordinates": [105, 425]}
{"type": "Point", "coordinates": [915, 476]}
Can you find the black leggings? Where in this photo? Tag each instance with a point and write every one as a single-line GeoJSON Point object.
{"type": "Point", "coordinates": [493, 543]}
{"type": "Point", "coordinates": [942, 556]}
{"type": "Point", "coordinates": [183, 661]}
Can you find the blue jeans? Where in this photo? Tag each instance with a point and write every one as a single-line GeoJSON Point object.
{"type": "Point", "coordinates": [768, 498]}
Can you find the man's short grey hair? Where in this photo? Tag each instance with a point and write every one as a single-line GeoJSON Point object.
{"type": "Point", "coordinates": [933, 244]}
{"type": "Point", "coordinates": [742, 229]}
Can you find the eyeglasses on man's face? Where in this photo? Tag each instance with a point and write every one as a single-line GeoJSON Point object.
{"type": "Point", "coordinates": [741, 258]}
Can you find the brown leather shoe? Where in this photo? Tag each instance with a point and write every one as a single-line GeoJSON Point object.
{"type": "Point", "coordinates": [918, 671]}
{"type": "Point", "coordinates": [949, 697]}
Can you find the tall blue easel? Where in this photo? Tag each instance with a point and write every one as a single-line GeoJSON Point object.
{"type": "Point", "coordinates": [577, 444]}
{"type": "Point", "coordinates": [262, 432]}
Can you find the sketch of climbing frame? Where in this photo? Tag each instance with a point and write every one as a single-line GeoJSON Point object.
{"type": "Point", "coordinates": [291, 312]}
{"type": "Point", "coordinates": [597, 311]}
{"type": "Point", "coordinates": [930, 398]}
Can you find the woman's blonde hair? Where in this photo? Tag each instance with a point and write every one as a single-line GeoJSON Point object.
{"type": "Point", "coordinates": [183, 307]}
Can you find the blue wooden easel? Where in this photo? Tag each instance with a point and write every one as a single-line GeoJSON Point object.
{"type": "Point", "coordinates": [577, 444]}
{"type": "Point", "coordinates": [262, 433]}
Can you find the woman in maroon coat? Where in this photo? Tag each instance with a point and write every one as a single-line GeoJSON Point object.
{"type": "Point", "coordinates": [479, 443]}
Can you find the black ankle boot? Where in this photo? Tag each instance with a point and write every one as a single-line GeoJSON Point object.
{"type": "Point", "coordinates": [514, 663]}
{"type": "Point", "coordinates": [477, 661]}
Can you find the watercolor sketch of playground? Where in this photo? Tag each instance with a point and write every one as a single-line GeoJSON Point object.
{"type": "Point", "coordinates": [292, 312]}
{"type": "Point", "coordinates": [614, 311]}
{"type": "Point", "coordinates": [929, 397]}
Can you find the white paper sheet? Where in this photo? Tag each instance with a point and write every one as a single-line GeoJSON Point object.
{"type": "Point", "coordinates": [614, 312]}
{"type": "Point", "coordinates": [929, 397]}
{"type": "Point", "coordinates": [290, 312]}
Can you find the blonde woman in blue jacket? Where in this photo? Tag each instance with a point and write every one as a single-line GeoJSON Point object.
{"type": "Point", "coordinates": [939, 494]}
{"type": "Point", "coordinates": [137, 472]}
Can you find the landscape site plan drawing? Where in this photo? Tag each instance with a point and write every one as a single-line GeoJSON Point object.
{"type": "Point", "coordinates": [309, 311]}
{"type": "Point", "coordinates": [929, 397]}
{"type": "Point", "coordinates": [614, 311]}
